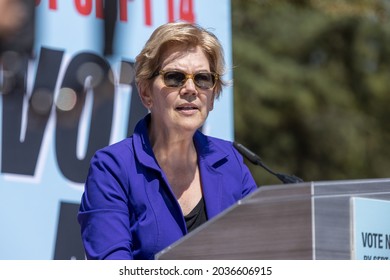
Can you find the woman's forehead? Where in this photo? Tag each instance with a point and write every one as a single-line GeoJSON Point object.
{"type": "Point", "coordinates": [179, 54]}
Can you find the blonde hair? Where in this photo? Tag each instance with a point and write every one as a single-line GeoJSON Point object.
{"type": "Point", "coordinates": [148, 62]}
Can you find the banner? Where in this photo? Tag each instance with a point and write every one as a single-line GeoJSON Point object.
{"type": "Point", "coordinates": [370, 233]}
{"type": "Point", "coordinates": [71, 99]}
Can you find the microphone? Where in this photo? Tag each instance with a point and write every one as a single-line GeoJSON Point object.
{"type": "Point", "coordinates": [255, 159]}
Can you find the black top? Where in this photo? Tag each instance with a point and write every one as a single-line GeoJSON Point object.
{"type": "Point", "coordinates": [197, 216]}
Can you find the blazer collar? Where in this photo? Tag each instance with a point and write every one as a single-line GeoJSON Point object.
{"type": "Point", "coordinates": [142, 147]}
{"type": "Point", "coordinates": [210, 157]}
{"type": "Point", "coordinates": [207, 150]}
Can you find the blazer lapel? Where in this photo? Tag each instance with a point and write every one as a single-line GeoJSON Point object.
{"type": "Point", "coordinates": [210, 157]}
{"type": "Point", "coordinates": [212, 188]}
{"type": "Point", "coordinates": [144, 153]}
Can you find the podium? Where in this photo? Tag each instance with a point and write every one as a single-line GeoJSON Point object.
{"type": "Point", "coordinates": [304, 221]}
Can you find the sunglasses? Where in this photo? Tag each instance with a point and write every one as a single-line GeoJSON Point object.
{"type": "Point", "coordinates": [203, 80]}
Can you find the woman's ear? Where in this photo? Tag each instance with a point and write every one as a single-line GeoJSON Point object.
{"type": "Point", "coordinates": [211, 104]}
{"type": "Point", "coordinates": [144, 94]}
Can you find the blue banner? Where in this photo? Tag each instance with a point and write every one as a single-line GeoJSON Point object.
{"type": "Point", "coordinates": [71, 100]}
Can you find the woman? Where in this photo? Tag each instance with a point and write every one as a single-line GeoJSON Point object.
{"type": "Point", "coordinates": [147, 191]}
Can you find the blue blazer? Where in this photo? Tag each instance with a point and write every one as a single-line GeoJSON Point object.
{"type": "Point", "coordinates": [128, 210]}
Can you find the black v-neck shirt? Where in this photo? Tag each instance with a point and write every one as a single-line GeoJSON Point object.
{"type": "Point", "coordinates": [197, 216]}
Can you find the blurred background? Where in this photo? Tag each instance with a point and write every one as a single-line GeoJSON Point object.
{"type": "Point", "coordinates": [312, 86]}
{"type": "Point", "coordinates": [309, 96]}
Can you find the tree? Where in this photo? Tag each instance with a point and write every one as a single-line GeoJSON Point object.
{"type": "Point", "coordinates": [311, 82]}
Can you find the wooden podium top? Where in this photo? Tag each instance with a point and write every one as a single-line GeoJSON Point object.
{"type": "Point", "coordinates": [308, 220]}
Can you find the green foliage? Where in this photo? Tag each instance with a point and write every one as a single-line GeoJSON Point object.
{"type": "Point", "coordinates": [311, 85]}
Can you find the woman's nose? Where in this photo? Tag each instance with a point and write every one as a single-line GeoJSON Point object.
{"type": "Point", "coordinates": [189, 86]}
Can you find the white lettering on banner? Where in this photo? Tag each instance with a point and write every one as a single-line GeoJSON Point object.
{"type": "Point", "coordinates": [21, 156]}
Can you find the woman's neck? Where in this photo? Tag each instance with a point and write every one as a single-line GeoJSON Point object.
{"type": "Point", "coordinates": [171, 146]}
{"type": "Point", "coordinates": [175, 152]}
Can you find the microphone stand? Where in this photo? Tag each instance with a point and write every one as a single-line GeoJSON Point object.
{"type": "Point", "coordinates": [255, 159]}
